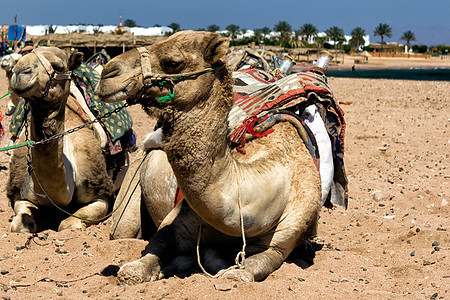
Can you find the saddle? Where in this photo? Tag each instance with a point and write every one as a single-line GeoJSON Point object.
{"type": "Point", "coordinates": [262, 103]}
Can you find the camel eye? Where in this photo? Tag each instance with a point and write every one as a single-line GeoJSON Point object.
{"type": "Point", "coordinates": [171, 66]}
{"type": "Point", "coordinates": [58, 67]}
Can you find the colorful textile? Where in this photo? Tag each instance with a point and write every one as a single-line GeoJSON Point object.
{"type": "Point", "coordinates": [293, 93]}
{"type": "Point", "coordinates": [117, 124]}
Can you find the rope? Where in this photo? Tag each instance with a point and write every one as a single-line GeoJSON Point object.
{"type": "Point", "coordinates": [75, 216]}
{"type": "Point", "coordinates": [29, 143]}
{"type": "Point", "coordinates": [5, 95]}
{"type": "Point", "coordinates": [162, 79]}
{"type": "Point", "coordinates": [126, 192]}
{"type": "Point", "coordinates": [240, 257]}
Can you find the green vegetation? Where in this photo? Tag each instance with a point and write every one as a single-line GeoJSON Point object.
{"type": "Point", "coordinates": [383, 30]}
{"type": "Point", "coordinates": [213, 28]}
{"type": "Point", "coordinates": [357, 39]}
{"type": "Point", "coordinates": [129, 23]}
{"type": "Point", "coordinates": [335, 34]}
{"type": "Point", "coordinates": [285, 31]}
{"type": "Point", "coordinates": [408, 36]}
{"type": "Point", "coordinates": [233, 30]}
{"type": "Point", "coordinates": [175, 27]}
{"type": "Point", "coordinates": [308, 30]}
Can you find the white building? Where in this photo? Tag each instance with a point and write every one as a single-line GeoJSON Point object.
{"type": "Point", "coordinates": [90, 29]}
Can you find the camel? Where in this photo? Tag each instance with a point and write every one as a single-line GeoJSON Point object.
{"type": "Point", "coordinates": [271, 194]}
{"type": "Point", "coordinates": [68, 172]}
{"type": "Point", "coordinates": [7, 64]}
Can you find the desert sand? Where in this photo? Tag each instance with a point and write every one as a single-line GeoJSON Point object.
{"type": "Point", "coordinates": [392, 242]}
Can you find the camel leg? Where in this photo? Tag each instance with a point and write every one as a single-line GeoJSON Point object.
{"type": "Point", "coordinates": [126, 217]}
{"type": "Point", "coordinates": [176, 235]}
{"type": "Point", "coordinates": [87, 215]}
{"type": "Point", "coordinates": [294, 228]}
{"type": "Point", "coordinates": [24, 218]}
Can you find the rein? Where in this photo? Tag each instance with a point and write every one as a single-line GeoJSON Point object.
{"type": "Point", "coordinates": [149, 79]}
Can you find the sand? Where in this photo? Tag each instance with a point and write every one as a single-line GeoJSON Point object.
{"type": "Point", "coordinates": [391, 243]}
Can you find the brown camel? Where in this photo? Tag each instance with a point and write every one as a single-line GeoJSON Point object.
{"type": "Point", "coordinates": [68, 172]}
{"type": "Point", "coordinates": [7, 63]}
{"type": "Point", "coordinates": [272, 193]}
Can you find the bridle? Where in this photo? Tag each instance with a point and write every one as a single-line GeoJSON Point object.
{"type": "Point", "coordinates": [149, 79]}
{"type": "Point", "coordinates": [52, 74]}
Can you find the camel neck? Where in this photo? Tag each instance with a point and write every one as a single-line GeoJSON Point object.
{"type": "Point", "coordinates": [47, 119]}
{"type": "Point", "coordinates": [197, 146]}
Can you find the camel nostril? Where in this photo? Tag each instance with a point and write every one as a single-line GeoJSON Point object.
{"type": "Point", "coordinates": [107, 73]}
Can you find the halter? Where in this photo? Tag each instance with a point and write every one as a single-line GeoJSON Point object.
{"type": "Point", "coordinates": [53, 75]}
{"type": "Point", "coordinates": [149, 79]}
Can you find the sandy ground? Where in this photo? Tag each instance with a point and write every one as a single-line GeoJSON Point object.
{"type": "Point", "coordinates": [391, 243]}
{"type": "Point", "coordinates": [375, 62]}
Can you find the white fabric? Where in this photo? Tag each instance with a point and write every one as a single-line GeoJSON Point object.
{"type": "Point", "coordinates": [153, 139]}
{"type": "Point", "coordinates": [314, 121]}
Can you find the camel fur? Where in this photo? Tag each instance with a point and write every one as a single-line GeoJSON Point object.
{"type": "Point", "coordinates": [274, 189]}
{"type": "Point", "coordinates": [68, 172]}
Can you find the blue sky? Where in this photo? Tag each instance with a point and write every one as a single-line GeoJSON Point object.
{"type": "Point", "coordinates": [429, 20]}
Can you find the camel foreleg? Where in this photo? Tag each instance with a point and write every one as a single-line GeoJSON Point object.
{"type": "Point", "coordinates": [89, 214]}
{"type": "Point", "coordinates": [176, 236]}
{"type": "Point", "coordinates": [24, 218]}
{"type": "Point", "coordinates": [290, 232]}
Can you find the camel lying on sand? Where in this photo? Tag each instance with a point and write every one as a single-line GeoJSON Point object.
{"type": "Point", "coordinates": [66, 172]}
{"type": "Point", "coordinates": [7, 64]}
{"type": "Point", "coordinates": [272, 193]}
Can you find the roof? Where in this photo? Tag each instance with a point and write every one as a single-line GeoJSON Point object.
{"type": "Point", "coordinates": [94, 40]}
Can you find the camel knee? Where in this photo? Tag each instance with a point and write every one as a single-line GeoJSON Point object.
{"type": "Point", "coordinates": [90, 214]}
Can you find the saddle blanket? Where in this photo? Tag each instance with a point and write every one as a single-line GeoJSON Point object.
{"type": "Point", "coordinates": [305, 100]}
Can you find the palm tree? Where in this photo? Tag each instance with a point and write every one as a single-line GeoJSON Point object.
{"type": "Point", "coordinates": [175, 27]}
{"type": "Point", "coordinates": [357, 37]}
{"type": "Point", "coordinates": [265, 31]}
{"type": "Point", "coordinates": [97, 29]}
{"type": "Point", "coordinates": [320, 41]}
{"type": "Point", "coordinates": [129, 23]}
{"type": "Point", "coordinates": [243, 32]}
{"type": "Point", "coordinates": [257, 33]}
{"type": "Point", "coordinates": [285, 31]}
{"type": "Point", "coordinates": [335, 34]}
{"type": "Point", "coordinates": [232, 29]}
{"type": "Point", "coordinates": [383, 30]}
{"type": "Point", "coordinates": [308, 30]}
{"type": "Point", "coordinates": [213, 28]}
{"type": "Point", "coordinates": [408, 36]}
{"type": "Point", "coordinates": [52, 29]}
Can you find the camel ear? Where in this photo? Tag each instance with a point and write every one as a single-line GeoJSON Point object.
{"type": "Point", "coordinates": [75, 60]}
{"type": "Point", "coordinates": [216, 50]}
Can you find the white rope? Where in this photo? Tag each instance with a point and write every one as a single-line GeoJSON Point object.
{"type": "Point", "coordinates": [240, 257]}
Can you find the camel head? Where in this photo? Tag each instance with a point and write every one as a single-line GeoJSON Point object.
{"type": "Point", "coordinates": [8, 61]}
{"type": "Point", "coordinates": [44, 73]}
{"type": "Point", "coordinates": [154, 72]}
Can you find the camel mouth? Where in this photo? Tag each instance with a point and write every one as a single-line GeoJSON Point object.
{"type": "Point", "coordinates": [114, 94]}
{"type": "Point", "coordinates": [21, 86]}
